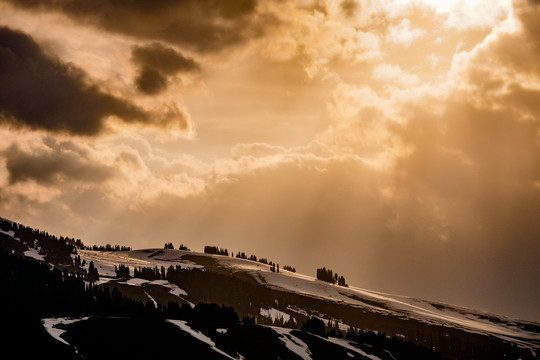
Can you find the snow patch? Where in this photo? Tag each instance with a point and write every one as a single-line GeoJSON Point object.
{"type": "Point", "coordinates": [222, 331]}
{"type": "Point", "coordinates": [198, 335]}
{"type": "Point", "coordinates": [136, 282]}
{"type": "Point", "coordinates": [275, 314]}
{"type": "Point", "coordinates": [297, 310]}
{"type": "Point", "coordinates": [332, 322]}
{"type": "Point", "coordinates": [34, 254]}
{"type": "Point", "coordinates": [173, 289]}
{"type": "Point", "coordinates": [9, 233]}
{"type": "Point", "coordinates": [50, 325]}
{"type": "Point", "coordinates": [152, 299]}
{"type": "Point", "coordinates": [293, 343]}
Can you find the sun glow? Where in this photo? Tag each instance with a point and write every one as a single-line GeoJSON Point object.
{"type": "Point", "coordinates": [443, 5]}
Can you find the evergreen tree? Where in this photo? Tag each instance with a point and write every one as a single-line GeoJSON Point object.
{"type": "Point", "coordinates": [289, 268]}
{"type": "Point", "coordinates": [121, 271]}
{"type": "Point", "coordinates": [92, 274]}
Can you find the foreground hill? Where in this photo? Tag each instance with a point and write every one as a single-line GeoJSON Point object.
{"type": "Point", "coordinates": [272, 304]}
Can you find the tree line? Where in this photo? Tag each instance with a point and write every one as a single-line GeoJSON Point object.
{"type": "Point", "coordinates": [328, 275]}
{"type": "Point", "coordinates": [107, 247]}
{"type": "Point", "coordinates": [149, 273]}
{"type": "Point", "coordinates": [289, 268]}
{"type": "Point", "coordinates": [121, 271]}
{"type": "Point", "coordinates": [170, 246]}
{"type": "Point", "coordinates": [58, 250]}
{"type": "Point", "coordinates": [215, 250]}
{"type": "Point", "coordinates": [33, 289]}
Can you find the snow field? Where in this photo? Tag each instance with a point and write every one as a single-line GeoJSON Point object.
{"type": "Point", "coordinates": [401, 306]}
{"type": "Point", "coordinates": [390, 304]}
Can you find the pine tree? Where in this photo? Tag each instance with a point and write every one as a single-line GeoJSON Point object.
{"type": "Point", "coordinates": [92, 274]}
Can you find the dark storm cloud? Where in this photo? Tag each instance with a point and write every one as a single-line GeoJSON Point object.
{"type": "Point", "coordinates": [205, 25]}
{"type": "Point", "coordinates": [163, 59]}
{"type": "Point", "coordinates": [41, 92]}
{"type": "Point", "coordinates": [150, 81]}
{"type": "Point", "coordinates": [158, 62]}
{"type": "Point", "coordinates": [48, 166]}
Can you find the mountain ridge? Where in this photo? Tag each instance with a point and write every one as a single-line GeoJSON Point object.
{"type": "Point", "coordinates": [290, 299]}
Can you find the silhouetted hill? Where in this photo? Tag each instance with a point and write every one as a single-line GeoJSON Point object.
{"type": "Point", "coordinates": [166, 302]}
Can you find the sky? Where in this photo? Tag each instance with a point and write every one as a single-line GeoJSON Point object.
{"type": "Point", "coordinates": [396, 142]}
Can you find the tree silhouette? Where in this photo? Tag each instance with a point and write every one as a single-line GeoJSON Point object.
{"type": "Point", "coordinates": [328, 275]}
{"type": "Point", "coordinates": [121, 271]}
{"type": "Point", "coordinates": [92, 274]}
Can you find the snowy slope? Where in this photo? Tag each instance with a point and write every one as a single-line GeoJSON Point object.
{"type": "Point", "coordinates": [105, 261]}
{"type": "Point", "coordinates": [422, 310]}
{"type": "Point", "coordinates": [300, 297]}
{"type": "Point", "coordinates": [376, 302]}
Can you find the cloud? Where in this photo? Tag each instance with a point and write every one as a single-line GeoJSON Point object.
{"type": "Point", "coordinates": [51, 166]}
{"type": "Point", "coordinates": [349, 7]}
{"type": "Point", "coordinates": [257, 150]}
{"type": "Point", "coordinates": [394, 75]}
{"type": "Point", "coordinates": [404, 34]}
{"type": "Point", "coordinates": [150, 81]}
{"type": "Point", "coordinates": [206, 26]}
{"type": "Point", "coordinates": [317, 39]}
{"type": "Point", "coordinates": [528, 12]}
{"type": "Point", "coordinates": [42, 93]}
{"type": "Point", "coordinates": [163, 59]}
{"type": "Point", "coordinates": [469, 185]}
{"type": "Point", "coordinates": [472, 14]}
{"type": "Point", "coordinates": [156, 63]}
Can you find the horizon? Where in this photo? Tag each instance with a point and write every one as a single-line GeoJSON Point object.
{"type": "Point", "coordinates": [242, 256]}
{"type": "Point", "coordinates": [396, 143]}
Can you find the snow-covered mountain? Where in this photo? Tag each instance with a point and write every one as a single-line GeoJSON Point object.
{"type": "Point", "coordinates": [279, 302]}
{"type": "Point", "coordinates": [521, 333]}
